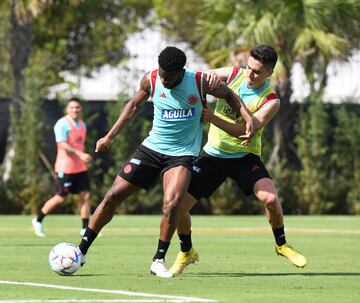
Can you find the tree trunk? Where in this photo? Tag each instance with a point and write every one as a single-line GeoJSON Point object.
{"type": "Point", "coordinates": [20, 41]}
{"type": "Point", "coordinates": [283, 122]}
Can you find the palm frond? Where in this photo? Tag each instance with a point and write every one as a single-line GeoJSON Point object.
{"type": "Point", "coordinates": [330, 45]}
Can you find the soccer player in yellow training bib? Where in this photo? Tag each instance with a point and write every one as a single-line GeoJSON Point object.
{"type": "Point", "coordinates": [225, 154]}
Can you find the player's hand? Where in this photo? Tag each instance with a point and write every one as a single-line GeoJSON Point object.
{"type": "Point", "coordinates": [85, 157]}
{"type": "Point", "coordinates": [213, 80]}
{"type": "Point", "coordinates": [103, 144]}
{"type": "Point", "coordinates": [249, 132]}
{"type": "Point", "coordinates": [207, 115]}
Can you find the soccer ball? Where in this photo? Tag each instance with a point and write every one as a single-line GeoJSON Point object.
{"type": "Point", "coordinates": [64, 258]}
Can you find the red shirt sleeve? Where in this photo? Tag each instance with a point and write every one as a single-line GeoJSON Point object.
{"type": "Point", "coordinates": [269, 98]}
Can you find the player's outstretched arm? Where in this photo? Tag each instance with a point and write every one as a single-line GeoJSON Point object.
{"type": "Point", "coordinates": [222, 73]}
{"type": "Point", "coordinates": [264, 115]}
{"type": "Point", "coordinates": [222, 91]}
{"type": "Point", "coordinates": [217, 76]}
{"type": "Point", "coordinates": [126, 114]}
{"type": "Point", "coordinates": [261, 118]}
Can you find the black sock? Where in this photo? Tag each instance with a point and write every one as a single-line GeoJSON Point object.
{"type": "Point", "coordinates": [161, 250]}
{"type": "Point", "coordinates": [185, 242]}
{"type": "Point", "coordinates": [88, 238]}
{"type": "Point", "coordinates": [85, 222]}
{"type": "Point", "coordinates": [40, 216]}
{"type": "Point", "coordinates": [279, 235]}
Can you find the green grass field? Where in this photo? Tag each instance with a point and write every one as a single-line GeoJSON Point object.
{"type": "Point", "coordinates": [237, 262]}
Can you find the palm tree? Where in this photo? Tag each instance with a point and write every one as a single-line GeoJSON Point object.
{"type": "Point", "coordinates": [311, 32]}
{"type": "Point", "coordinates": [21, 15]}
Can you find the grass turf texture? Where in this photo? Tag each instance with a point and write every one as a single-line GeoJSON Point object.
{"type": "Point", "coordinates": [237, 260]}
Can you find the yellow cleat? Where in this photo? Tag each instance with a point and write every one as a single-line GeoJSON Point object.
{"type": "Point", "coordinates": [184, 259]}
{"type": "Point", "coordinates": [294, 257]}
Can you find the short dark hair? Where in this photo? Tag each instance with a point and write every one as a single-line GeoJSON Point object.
{"type": "Point", "coordinates": [266, 54]}
{"type": "Point", "coordinates": [172, 59]}
{"type": "Point", "coordinates": [76, 99]}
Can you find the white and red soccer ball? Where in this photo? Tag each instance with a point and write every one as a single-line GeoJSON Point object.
{"type": "Point", "coordinates": [64, 258]}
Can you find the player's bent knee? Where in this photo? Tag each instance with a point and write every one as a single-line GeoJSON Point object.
{"type": "Point", "coordinates": [171, 209]}
{"type": "Point", "coordinates": [85, 196]}
{"type": "Point", "coordinates": [270, 200]}
{"type": "Point", "coordinates": [60, 199]}
{"type": "Point", "coordinates": [110, 201]}
{"type": "Point", "coordinates": [106, 207]}
{"type": "Point", "coordinates": [183, 211]}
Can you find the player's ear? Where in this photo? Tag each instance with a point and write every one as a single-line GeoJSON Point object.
{"type": "Point", "coordinates": [269, 73]}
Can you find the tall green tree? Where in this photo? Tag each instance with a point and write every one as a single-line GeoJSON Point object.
{"type": "Point", "coordinates": [313, 150]}
{"type": "Point", "coordinates": [29, 181]}
{"type": "Point", "coordinates": [5, 72]}
{"type": "Point", "coordinates": [345, 160]}
{"type": "Point", "coordinates": [311, 32]}
{"type": "Point", "coordinates": [68, 35]}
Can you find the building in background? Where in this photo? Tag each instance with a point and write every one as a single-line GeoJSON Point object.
{"type": "Point", "coordinates": [109, 82]}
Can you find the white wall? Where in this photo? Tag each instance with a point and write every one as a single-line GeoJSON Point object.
{"type": "Point", "coordinates": [343, 81]}
{"type": "Point", "coordinates": [108, 82]}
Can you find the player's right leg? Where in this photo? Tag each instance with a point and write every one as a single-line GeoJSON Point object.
{"type": "Point", "coordinates": [176, 179]}
{"type": "Point", "coordinates": [137, 173]}
{"type": "Point", "coordinates": [207, 176]}
{"type": "Point", "coordinates": [119, 191]}
{"type": "Point", "coordinates": [45, 210]}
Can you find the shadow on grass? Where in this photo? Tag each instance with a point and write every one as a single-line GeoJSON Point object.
{"type": "Point", "coordinates": [305, 274]}
{"type": "Point", "coordinates": [89, 275]}
{"type": "Point", "coordinates": [30, 245]}
{"type": "Point", "coordinates": [77, 275]}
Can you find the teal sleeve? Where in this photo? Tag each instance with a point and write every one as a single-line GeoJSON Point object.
{"type": "Point", "coordinates": [61, 130]}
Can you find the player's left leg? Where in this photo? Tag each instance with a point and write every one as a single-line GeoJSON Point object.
{"type": "Point", "coordinates": [175, 184]}
{"type": "Point", "coordinates": [265, 191]}
{"type": "Point", "coordinates": [187, 254]}
{"type": "Point", "coordinates": [84, 210]}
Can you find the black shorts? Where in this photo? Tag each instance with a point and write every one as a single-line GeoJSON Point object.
{"type": "Point", "coordinates": [145, 165]}
{"type": "Point", "coordinates": [73, 183]}
{"type": "Point", "coordinates": [210, 172]}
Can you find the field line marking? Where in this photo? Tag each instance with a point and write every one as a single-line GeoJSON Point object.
{"type": "Point", "coordinates": [205, 231]}
{"type": "Point", "coordinates": [239, 230]}
{"type": "Point", "coordinates": [251, 230]}
{"type": "Point", "coordinates": [96, 301]}
{"type": "Point", "coordinates": [108, 291]}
